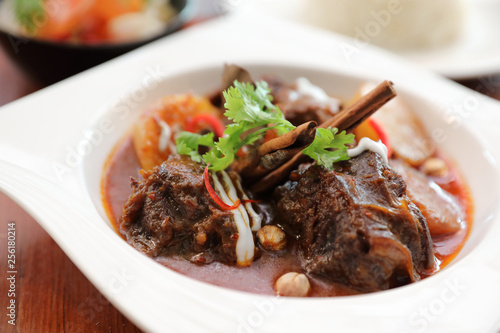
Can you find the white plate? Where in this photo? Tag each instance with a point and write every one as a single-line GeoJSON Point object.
{"type": "Point", "coordinates": [53, 145]}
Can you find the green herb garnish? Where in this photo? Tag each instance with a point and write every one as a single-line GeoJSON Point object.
{"type": "Point", "coordinates": [253, 114]}
{"type": "Point", "coordinates": [27, 11]}
{"type": "Point", "coordinates": [325, 139]}
{"type": "Point", "coordinates": [188, 144]}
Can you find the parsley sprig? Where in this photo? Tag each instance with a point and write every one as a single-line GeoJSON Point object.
{"type": "Point", "coordinates": [253, 114]}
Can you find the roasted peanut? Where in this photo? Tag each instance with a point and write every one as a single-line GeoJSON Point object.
{"type": "Point", "coordinates": [271, 238]}
{"type": "Point", "coordinates": [293, 284]}
{"type": "Point", "coordinates": [435, 167]}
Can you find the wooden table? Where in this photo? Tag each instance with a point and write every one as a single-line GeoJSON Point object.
{"type": "Point", "coordinates": [52, 294]}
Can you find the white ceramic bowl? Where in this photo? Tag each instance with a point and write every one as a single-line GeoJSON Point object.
{"type": "Point", "coordinates": [458, 141]}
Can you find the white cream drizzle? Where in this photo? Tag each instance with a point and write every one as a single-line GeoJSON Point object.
{"type": "Point", "coordinates": [305, 88]}
{"type": "Point", "coordinates": [368, 144]}
{"type": "Point", "coordinates": [256, 219]}
{"type": "Point", "coordinates": [245, 243]}
{"type": "Point", "coordinates": [165, 139]}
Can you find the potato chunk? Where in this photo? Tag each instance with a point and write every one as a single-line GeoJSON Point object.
{"type": "Point", "coordinates": [408, 137]}
{"type": "Point", "coordinates": [440, 209]}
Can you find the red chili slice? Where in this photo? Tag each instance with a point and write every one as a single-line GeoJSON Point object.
{"type": "Point", "coordinates": [271, 134]}
{"type": "Point", "coordinates": [212, 120]}
{"type": "Point", "coordinates": [382, 134]}
{"type": "Point", "coordinates": [214, 195]}
{"type": "Point", "coordinates": [250, 200]}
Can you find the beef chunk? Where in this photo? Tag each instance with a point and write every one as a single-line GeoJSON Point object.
{"type": "Point", "coordinates": [355, 224]}
{"type": "Point", "coordinates": [170, 212]}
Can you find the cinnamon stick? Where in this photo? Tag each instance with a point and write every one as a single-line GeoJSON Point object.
{"type": "Point", "coordinates": [277, 151]}
{"type": "Point", "coordinates": [300, 136]}
{"type": "Point", "coordinates": [346, 120]}
{"type": "Point", "coordinates": [229, 74]}
{"type": "Point", "coordinates": [233, 72]}
{"type": "Point", "coordinates": [351, 117]}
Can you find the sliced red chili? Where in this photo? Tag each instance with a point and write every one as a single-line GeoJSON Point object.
{"type": "Point", "coordinates": [240, 152]}
{"type": "Point", "coordinates": [214, 195]}
{"type": "Point", "coordinates": [271, 134]}
{"type": "Point", "coordinates": [382, 134]}
{"type": "Point", "coordinates": [212, 120]}
{"type": "Point", "coordinates": [250, 200]}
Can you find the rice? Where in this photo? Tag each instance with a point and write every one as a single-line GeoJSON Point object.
{"type": "Point", "coordinates": [394, 24]}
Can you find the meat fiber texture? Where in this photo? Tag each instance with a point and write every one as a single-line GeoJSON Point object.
{"type": "Point", "coordinates": [355, 224]}
{"type": "Point", "coordinates": [170, 212]}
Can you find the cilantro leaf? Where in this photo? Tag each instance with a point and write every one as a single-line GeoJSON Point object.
{"type": "Point", "coordinates": [246, 103]}
{"type": "Point", "coordinates": [251, 110]}
{"type": "Point", "coordinates": [188, 144]}
{"type": "Point", "coordinates": [223, 154]}
{"type": "Point", "coordinates": [325, 139]}
{"type": "Point", "coordinates": [253, 114]}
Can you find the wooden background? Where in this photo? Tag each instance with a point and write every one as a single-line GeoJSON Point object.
{"type": "Point", "coordinates": [52, 294]}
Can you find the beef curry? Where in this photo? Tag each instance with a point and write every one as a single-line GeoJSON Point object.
{"type": "Point", "coordinates": [313, 197]}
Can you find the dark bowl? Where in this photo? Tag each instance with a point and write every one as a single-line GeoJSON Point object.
{"type": "Point", "coordinates": [49, 62]}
